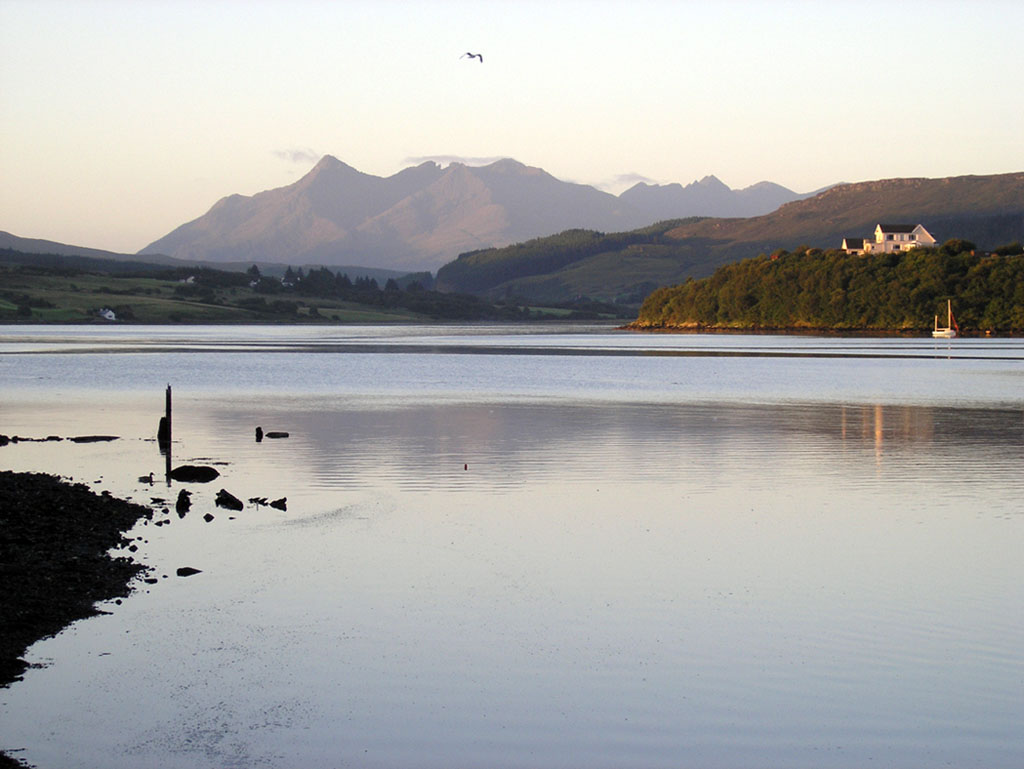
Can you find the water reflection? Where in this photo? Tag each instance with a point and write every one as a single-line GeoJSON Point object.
{"type": "Point", "coordinates": [514, 559]}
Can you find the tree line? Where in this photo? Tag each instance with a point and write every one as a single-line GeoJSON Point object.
{"type": "Point", "coordinates": [813, 289]}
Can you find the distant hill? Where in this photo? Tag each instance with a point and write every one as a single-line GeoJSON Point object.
{"type": "Point", "coordinates": [38, 246]}
{"type": "Point", "coordinates": [49, 253]}
{"type": "Point", "coordinates": [424, 216]}
{"type": "Point", "coordinates": [988, 210]}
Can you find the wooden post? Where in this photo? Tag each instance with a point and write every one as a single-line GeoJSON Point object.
{"type": "Point", "coordinates": [163, 436]}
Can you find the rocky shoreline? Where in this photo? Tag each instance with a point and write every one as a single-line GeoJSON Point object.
{"type": "Point", "coordinates": [55, 564]}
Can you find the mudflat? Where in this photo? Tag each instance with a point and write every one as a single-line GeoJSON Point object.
{"type": "Point", "coordinates": [55, 563]}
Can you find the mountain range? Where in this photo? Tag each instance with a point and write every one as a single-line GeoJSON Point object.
{"type": "Point", "coordinates": [426, 215]}
{"type": "Point", "coordinates": [624, 267]}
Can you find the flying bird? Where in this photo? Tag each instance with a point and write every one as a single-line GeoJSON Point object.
{"type": "Point", "coordinates": [479, 56]}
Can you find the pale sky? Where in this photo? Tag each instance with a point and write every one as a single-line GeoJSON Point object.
{"type": "Point", "coordinates": [121, 120]}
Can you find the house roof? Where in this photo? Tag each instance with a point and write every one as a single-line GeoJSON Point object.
{"type": "Point", "coordinates": [897, 227]}
{"type": "Point", "coordinates": [853, 242]}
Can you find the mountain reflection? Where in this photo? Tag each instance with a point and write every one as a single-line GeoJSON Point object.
{"type": "Point", "coordinates": [430, 445]}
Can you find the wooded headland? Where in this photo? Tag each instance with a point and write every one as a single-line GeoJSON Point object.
{"type": "Point", "coordinates": [830, 290]}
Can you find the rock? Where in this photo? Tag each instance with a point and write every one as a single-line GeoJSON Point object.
{"type": "Point", "coordinates": [4, 440]}
{"type": "Point", "coordinates": [280, 504]}
{"type": "Point", "coordinates": [208, 517]}
{"type": "Point", "coordinates": [194, 473]}
{"type": "Point", "coordinates": [228, 500]}
{"type": "Point", "coordinates": [184, 502]}
{"type": "Point", "coordinates": [93, 438]}
{"type": "Point", "coordinates": [188, 571]}
{"type": "Point", "coordinates": [277, 435]}
{"type": "Point", "coordinates": [259, 434]}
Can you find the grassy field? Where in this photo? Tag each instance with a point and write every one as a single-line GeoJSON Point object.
{"type": "Point", "coordinates": [37, 296]}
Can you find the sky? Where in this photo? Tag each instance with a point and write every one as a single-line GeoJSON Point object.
{"type": "Point", "coordinates": [120, 121]}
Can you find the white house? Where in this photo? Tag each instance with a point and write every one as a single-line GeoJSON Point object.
{"type": "Point", "coordinates": [107, 314]}
{"type": "Point", "coordinates": [890, 238]}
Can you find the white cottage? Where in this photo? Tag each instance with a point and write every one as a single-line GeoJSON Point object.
{"type": "Point", "coordinates": [889, 238]}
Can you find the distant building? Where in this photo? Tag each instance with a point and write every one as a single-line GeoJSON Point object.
{"type": "Point", "coordinates": [890, 238]}
{"type": "Point", "coordinates": [107, 314]}
{"type": "Point", "coordinates": [853, 245]}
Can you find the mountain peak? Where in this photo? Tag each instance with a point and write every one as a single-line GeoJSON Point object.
{"type": "Point", "coordinates": [329, 164]}
{"type": "Point", "coordinates": [711, 182]}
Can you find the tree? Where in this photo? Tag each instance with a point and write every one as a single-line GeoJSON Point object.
{"type": "Point", "coordinates": [1010, 249]}
{"type": "Point", "coordinates": [955, 246]}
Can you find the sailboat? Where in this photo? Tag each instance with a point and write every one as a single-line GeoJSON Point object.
{"type": "Point", "coordinates": [951, 328]}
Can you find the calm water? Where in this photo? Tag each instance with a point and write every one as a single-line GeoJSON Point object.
{"type": "Point", "coordinates": [536, 547]}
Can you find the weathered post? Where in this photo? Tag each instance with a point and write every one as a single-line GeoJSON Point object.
{"type": "Point", "coordinates": [163, 432]}
{"type": "Point", "coordinates": [163, 435]}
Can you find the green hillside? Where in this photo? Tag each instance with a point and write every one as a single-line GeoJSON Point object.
{"type": "Point", "coordinates": [33, 291]}
{"type": "Point", "coordinates": [616, 267]}
{"type": "Point", "coordinates": [625, 267]}
{"type": "Point", "coordinates": [832, 290]}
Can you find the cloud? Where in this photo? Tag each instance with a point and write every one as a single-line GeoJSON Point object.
{"type": "Point", "coordinates": [623, 181]}
{"type": "Point", "coordinates": [444, 160]}
{"type": "Point", "coordinates": [298, 155]}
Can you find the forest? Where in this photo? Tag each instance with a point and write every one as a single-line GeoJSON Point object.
{"type": "Point", "coordinates": [831, 290]}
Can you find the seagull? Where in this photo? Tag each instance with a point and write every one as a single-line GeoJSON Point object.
{"type": "Point", "coordinates": [479, 56]}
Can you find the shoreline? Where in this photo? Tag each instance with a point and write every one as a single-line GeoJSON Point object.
{"type": "Point", "coordinates": [911, 333]}
{"type": "Point", "coordinates": [55, 563]}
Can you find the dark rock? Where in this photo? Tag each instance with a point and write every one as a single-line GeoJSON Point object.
{"type": "Point", "coordinates": [208, 517]}
{"type": "Point", "coordinates": [163, 432]}
{"type": "Point", "coordinates": [280, 504]}
{"type": "Point", "coordinates": [93, 438]}
{"type": "Point", "coordinates": [53, 438]}
{"type": "Point", "coordinates": [259, 434]}
{"type": "Point", "coordinates": [277, 435]}
{"type": "Point", "coordinates": [4, 440]}
{"type": "Point", "coordinates": [184, 502]}
{"type": "Point", "coordinates": [194, 474]}
{"type": "Point", "coordinates": [188, 571]}
{"type": "Point", "coordinates": [228, 500]}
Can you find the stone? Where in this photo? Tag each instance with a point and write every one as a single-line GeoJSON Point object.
{"type": "Point", "coordinates": [194, 473]}
{"type": "Point", "coordinates": [228, 500]}
{"type": "Point", "coordinates": [184, 502]}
